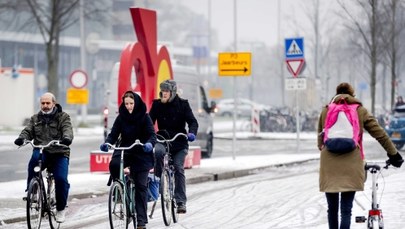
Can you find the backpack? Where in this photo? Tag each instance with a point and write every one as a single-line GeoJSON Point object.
{"type": "Point", "coordinates": [341, 133]}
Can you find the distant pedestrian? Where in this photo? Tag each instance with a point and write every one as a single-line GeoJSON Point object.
{"type": "Point", "coordinates": [400, 101]}
{"type": "Point", "coordinates": [341, 175]}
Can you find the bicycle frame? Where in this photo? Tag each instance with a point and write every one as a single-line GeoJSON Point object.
{"type": "Point", "coordinates": [375, 216]}
{"type": "Point", "coordinates": [167, 197]}
{"type": "Point", "coordinates": [45, 198]}
{"type": "Point", "coordinates": [122, 180]}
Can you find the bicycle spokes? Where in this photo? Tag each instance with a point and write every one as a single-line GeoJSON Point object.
{"type": "Point", "coordinates": [117, 211]}
{"type": "Point", "coordinates": [34, 205]}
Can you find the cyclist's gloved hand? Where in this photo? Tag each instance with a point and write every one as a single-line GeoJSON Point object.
{"type": "Point", "coordinates": [395, 160]}
{"type": "Point", "coordinates": [147, 147]}
{"type": "Point", "coordinates": [190, 137]}
{"type": "Point", "coordinates": [104, 147]}
{"type": "Point", "coordinates": [19, 141]}
{"type": "Point", "coordinates": [66, 141]}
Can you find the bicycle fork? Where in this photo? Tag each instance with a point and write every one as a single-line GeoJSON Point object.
{"type": "Point", "coordinates": [375, 216]}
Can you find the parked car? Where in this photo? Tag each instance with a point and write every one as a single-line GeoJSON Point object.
{"type": "Point", "coordinates": [395, 127]}
{"type": "Point", "coordinates": [225, 107]}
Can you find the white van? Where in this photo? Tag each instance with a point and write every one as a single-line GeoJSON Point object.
{"type": "Point", "coordinates": [188, 87]}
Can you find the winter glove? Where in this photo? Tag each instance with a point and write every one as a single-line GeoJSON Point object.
{"type": "Point", "coordinates": [395, 160]}
{"type": "Point", "coordinates": [147, 147]}
{"type": "Point", "coordinates": [190, 137]}
{"type": "Point", "coordinates": [19, 141]}
{"type": "Point", "coordinates": [104, 147]}
{"type": "Point", "coordinates": [66, 141]}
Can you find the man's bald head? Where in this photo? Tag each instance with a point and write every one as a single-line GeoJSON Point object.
{"type": "Point", "coordinates": [47, 102]}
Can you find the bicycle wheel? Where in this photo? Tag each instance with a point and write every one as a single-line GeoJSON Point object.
{"type": "Point", "coordinates": [175, 215]}
{"type": "Point", "coordinates": [373, 223]}
{"type": "Point", "coordinates": [117, 212]}
{"type": "Point", "coordinates": [51, 201]}
{"type": "Point", "coordinates": [166, 198]}
{"type": "Point", "coordinates": [34, 204]}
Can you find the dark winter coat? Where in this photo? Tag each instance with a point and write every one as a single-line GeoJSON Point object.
{"type": "Point", "coordinates": [173, 117]}
{"type": "Point", "coordinates": [345, 172]}
{"type": "Point", "coordinates": [43, 128]}
{"type": "Point", "coordinates": [129, 127]}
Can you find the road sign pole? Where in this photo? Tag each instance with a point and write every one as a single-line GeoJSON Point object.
{"type": "Point", "coordinates": [298, 121]}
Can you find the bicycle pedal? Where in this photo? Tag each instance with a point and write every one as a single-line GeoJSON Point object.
{"type": "Point", "coordinates": [360, 219]}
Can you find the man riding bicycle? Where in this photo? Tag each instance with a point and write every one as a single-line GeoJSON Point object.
{"type": "Point", "coordinates": [172, 113]}
{"type": "Point", "coordinates": [51, 123]}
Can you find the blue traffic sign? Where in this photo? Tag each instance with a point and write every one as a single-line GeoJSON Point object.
{"type": "Point", "coordinates": [294, 48]}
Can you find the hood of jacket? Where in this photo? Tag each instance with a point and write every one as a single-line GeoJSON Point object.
{"type": "Point", "coordinates": [348, 98]}
{"type": "Point", "coordinates": [139, 109]}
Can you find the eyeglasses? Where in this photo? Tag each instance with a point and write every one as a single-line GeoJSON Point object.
{"type": "Point", "coordinates": [46, 103]}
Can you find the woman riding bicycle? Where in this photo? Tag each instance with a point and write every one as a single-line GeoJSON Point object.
{"type": "Point", "coordinates": [134, 123]}
{"type": "Point", "coordinates": [344, 174]}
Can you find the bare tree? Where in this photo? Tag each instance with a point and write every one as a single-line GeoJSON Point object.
{"type": "Point", "coordinates": [393, 16]}
{"type": "Point", "coordinates": [369, 35]}
{"type": "Point", "coordinates": [50, 18]}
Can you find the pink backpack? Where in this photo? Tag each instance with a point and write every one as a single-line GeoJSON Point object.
{"type": "Point", "coordinates": [342, 132]}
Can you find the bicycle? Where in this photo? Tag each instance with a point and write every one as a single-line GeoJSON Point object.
{"type": "Point", "coordinates": [122, 210]}
{"type": "Point", "coordinates": [41, 201]}
{"type": "Point", "coordinates": [375, 217]}
{"type": "Point", "coordinates": [167, 184]}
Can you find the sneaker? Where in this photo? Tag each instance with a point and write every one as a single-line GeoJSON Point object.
{"type": "Point", "coordinates": [60, 216]}
{"type": "Point", "coordinates": [181, 208]}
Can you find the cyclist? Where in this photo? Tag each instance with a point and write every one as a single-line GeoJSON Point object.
{"type": "Point", "coordinates": [172, 113]}
{"type": "Point", "coordinates": [51, 123]}
{"type": "Point", "coordinates": [344, 174]}
{"type": "Point", "coordinates": [133, 123]}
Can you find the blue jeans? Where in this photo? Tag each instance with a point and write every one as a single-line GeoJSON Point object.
{"type": "Point", "coordinates": [179, 175]}
{"type": "Point", "coordinates": [58, 164]}
{"type": "Point", "coordinates": [346, 204]}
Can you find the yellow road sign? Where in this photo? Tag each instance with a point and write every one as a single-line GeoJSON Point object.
{"type": "Point", "coordinates": [234, 64]}
{"type": "Point", "coordinates": [77, 96]}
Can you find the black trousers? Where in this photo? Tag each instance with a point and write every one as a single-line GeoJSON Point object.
{"type": "Point", "coordinates": [141, 187]}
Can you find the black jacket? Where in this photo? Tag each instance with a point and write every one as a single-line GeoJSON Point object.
{"type": "Point", "coordinates": [44, 128]}
{"type": "Point", "coordinates": [130, 127]}
{"type": "Point", "coordinates": [173, 117]}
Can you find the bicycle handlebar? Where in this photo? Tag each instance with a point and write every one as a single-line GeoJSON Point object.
{"type": "Point", "coordinates": [377, 165]}
{"type": "Point", "coordinates": [53, 142]}
{"type": "Point", "coordinates": [172, 139]}
{"type": "Point", "coordinates": [137, 142]}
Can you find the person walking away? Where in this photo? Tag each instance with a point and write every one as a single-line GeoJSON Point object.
{"type": "Point", "coordinates": [172, 113]}
{"type": "Point", "coordinates": [133, 123]}
{"type": "Point", "coordinates": [336, 182]}
{"type": "Point", "coordinates": [51, 123]}
{"type": "Point", "coordinates": [400, 101]}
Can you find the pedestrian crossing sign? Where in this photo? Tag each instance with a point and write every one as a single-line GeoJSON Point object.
{"type": "Point", "coordinates": [294, 48]}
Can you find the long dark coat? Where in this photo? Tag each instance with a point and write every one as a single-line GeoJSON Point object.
{"type": "Point", "coordinates": [345, 172]}
{"type": "Point", "coordinates": [173, 117]}
{"type": "Point", "coordinates": [130, 127]}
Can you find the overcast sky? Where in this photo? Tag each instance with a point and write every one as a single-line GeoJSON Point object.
{"type": "Point", "coordinates": [257, 20]}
